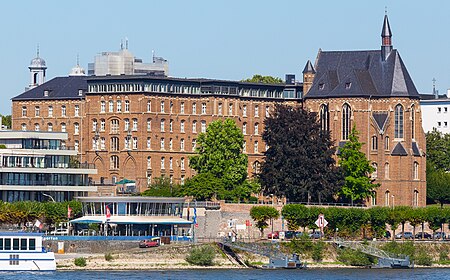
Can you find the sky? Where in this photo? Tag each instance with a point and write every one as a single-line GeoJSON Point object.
{"type": "Point", "coordinates": [221, 39]}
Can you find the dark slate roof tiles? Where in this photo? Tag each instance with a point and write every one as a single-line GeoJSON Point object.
{"type": "Point", "coordinates": [58, 88]}
{"type": "Point", "coordinates": [380, 119]}
{"type": "Point", "coordinates": [374, 77]}
{"type": "Point", "coordinates": [399, 150]}
{"type": "Point", "coordinates": [415, 149]}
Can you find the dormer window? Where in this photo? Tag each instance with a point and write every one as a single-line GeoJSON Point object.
{"type": "Point", "coordinates": [80, 92]}
{"type": "Point", "coordinates": [348, 85]}
{"type": "Point", "coordinates": [321, 86]}
{"type": "Point", "coordinates": [46, 93]}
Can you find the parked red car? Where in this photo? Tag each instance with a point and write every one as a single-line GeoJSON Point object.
{"type": "Point", "coordinates": [147, 243]}
{"type": "Point", "coordinates": [274, 235]}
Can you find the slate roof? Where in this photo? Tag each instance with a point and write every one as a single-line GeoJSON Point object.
{"type": "Point", "coordinates": [399, 150]}
{"type": "Point", "coordinates": [58, 88]}
{"type": "Point", "coordinates": [361, 74]}
{"type": "Point", "coordinates": [380, 118]}
{"type": "Point", "coordinates": [415, 149]}
{"type": "Point", "coordinates": [308, 68]}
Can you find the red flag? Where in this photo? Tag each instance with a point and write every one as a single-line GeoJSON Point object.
{"type": "Point", "coordinates": [108, 213]}
{"type": "Point", "coordinates": [69, 211]}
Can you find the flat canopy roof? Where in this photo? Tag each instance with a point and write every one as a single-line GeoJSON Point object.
{"type": "Point", "coordinates": [158, 220]}
{"type": "Point", "coordinates": [141, 199]}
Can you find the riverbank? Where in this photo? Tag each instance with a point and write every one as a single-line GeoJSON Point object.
{"type": "Point", "coordinates": [173, 257]}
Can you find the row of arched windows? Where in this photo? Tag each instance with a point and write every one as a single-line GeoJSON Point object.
{"type": "Point", "coordinates": [415, 171]}
{"type": "Point", "coordinates": [389, 199]}
{"type": "Point", "coordinates": [324, 118]}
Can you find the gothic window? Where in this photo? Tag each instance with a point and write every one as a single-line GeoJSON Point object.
{"type": "Point", "coordinates": [114, 143]}
{"type": "Point", "coordinates": [77, 110]}
{"type": "Point", "coordinates": [182, 144]}
{"type": "Point", "coordinates": [182, 126]}
{"type": "Point", "coordinates": [374, 198]}
{"type": "Point", "coordinates": [194, 126]}
{"type": "Point", "coordinates": [163, 163]}
{"type": "Point", "coordinates": [244, 128]}
{"type": "Point", "coordinates": [203, 108]}
{"type": "Point", "coordinates": [149, 106]}
{"type": "Point", "coordinates": [171, 125]}
{"type": "Point", "coordinates": [102, 125]}
{"type": "Point", "coordinates": [76, 128]}
{"type": "Point", "coordinates": [346, 124]}
{"type": "Point", "coordinates": [182, 108]}
{"type": "Point", "coordinates": [50, 127]}
{"type": "Point", "coordinates": [182, 163]}
{"type": "Point", "coordinates": [255, 147]}
{"type": "Point", "coordinates": [111, 106]}
{"type": "Point", "coordinates": [149, 162]}
{"type": "Point", "coordinates": [416, 170]}
{"type": "Point", "coordinates": [119, 106]}
{"type": "Point", "coordinates": [375, 172]}
{"type": "Point", "coordinates": [162, 107]}
{"type": "Point", "coordinates": [127, 105]}
{"type": "Point", "coordinates": [203, 126]}
{"type": "Point", "coordinates": [94, 125]}
{"type": "Point", "coordinates": [149, 124]}
{"type": "Point", "coordinates": [387, 195]}
{"type": "Point", "coordinates": [102, 108]}
{"type": "Point", "coordinates": [162, 125]}
{"type": "Point", "coordinates": [63, 127]}
{"type": "Point", "coordinates": [398, 124]}
{"type": "Point", "coordinates": [149, 143]}
{"type": "Point", "coordinates": [324, 117]}
{"type": "Point", "coordinates": [244, 110]}
{"type": "Point", "coordinates": [24, 127]}
{"type": "Point", "coordinates": [194, 108]}
{"type": "Point", "coordinates": [126, 123]}
{"type": "Point", "coordinates": [416, 198]}
{"type": "Point", "coordinates": [386, 143]}
{"type": "Point", "coordinates": [386, 170]}
{"type": "Point", "coordinates": [135, 124]}
{"type": "Point", "coordinates": [161, 142]}
{"type": "Point", "coordinates": [50, 111]}
{"type": "Point", "coordinates": [220, 109]}
{"type": "Point", "coordinates": [413, 121]}
{"type": "Point", "coordinates": [114, 164]}
{"type": "Point", "coordinates": [256, 128]}
{"type": "Point", "coordinates": [374, 143]}
{"type": "Point", "coordinates": [256, 111]}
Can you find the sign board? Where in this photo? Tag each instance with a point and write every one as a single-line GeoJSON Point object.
{"type": "Point", "coordinates": [321, 222]}
{"type": "Point", "coordinates": [241, 227]}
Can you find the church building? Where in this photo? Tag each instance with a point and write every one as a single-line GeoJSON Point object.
{"type": "Point", "coordinates": [373, 91]}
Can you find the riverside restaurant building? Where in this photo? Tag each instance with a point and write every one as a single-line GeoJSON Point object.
{"type": "Point", "coordinates": [134, 216]}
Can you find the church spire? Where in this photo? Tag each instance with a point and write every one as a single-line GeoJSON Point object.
{"type": "Point", "coordinates": [386, 43]}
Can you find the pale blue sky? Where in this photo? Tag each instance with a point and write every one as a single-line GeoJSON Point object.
{"type": "Point", "coordinates": [229, 39]}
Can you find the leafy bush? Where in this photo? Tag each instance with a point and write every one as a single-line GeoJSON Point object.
{"type": "Point", "coordinates": [317, 251]}
{"type": "Point", "coordinates": [108, 257]}
{"type": "Point", "coordinates": [422, 257]}
{"type": "Point", "coordinates": [404, 248]}
{"type": "Point", "coordinates": [355, 258]}
{"type": "Point", "coordinates": [302, 246]}
{"type": "Point", "coordinates": [80, 262]}
{"type": "Point", "coordinates": [203, 256]}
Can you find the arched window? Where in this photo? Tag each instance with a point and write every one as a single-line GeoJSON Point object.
{"type": "Point", "coordinates": [413, 121]}
{"type": "Point", "coordinates": [374, 143]}
{"type": "Point", "coordinates": [375, 172]}
{"type": "Point", "coordinates": [256, 167]}
{"type": "Point", "coordinates": [386, 170]}
{"type": "Point", "coordinates": [182, 126]}
{"type": "Point", "coordinates": [114, 162]}
{"type": "Point", "coordinates": [346, 125]}
{"type": "Point", "coordinates": [387, 195]}
{"type": "Point", "coordinates": [398, 125]}
{"type": "Point", "coordinates": [24, 127]}
{"type": "Point", "coordinates": [386, 143]}
{"type": "Point", "coordinates": [256, 128]}
{"type": "Point", "coordinates": [126, 123]}
{"type": "Point", "coordinates": [416, 170]}
{"type": "Point", "coordinates": [324, 117]}
{"type": "Point", "coordinates": [374, 198]}
{"type": "Point", "coordinates": [244, 128]}
{"type": "Point", "coordinates": [149, 124]}
{"type": "Point", "coordinates": [162, 125]}
{"type": "Point", "coordinates": [50, 127]}
{"type": "Point", "coordinates": [416, 198]}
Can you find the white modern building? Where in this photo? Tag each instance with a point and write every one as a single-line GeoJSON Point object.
{"type": "Point", "coordinates": [38, 166]}
{"type": "Point", "coordinates": [124, 62]}
{"type": "Point", "coordinates": [435, 112]}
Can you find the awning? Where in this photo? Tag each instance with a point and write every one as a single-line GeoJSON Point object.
{"type": "Point", "coordinates": [157, 220]}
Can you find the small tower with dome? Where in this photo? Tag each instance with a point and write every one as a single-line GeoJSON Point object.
{"type": "Point", "coordinates": [37, 71]}
{"type": "Point", "coordinates": [77, 70]}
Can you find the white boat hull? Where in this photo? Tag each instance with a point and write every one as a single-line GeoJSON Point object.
{"type": "Point", "coordinates": [29, 261]}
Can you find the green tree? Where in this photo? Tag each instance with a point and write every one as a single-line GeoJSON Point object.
{"type": "Point", "coordinates": [161, 186]}
{"type": "Point", "coordinates": [6, 121]}
{"type": "Point", "coordinates": [261, 214]}
{"type": "Point", "coordinates": [377, 218]}
{"type": "Point", "coordinates": [357, 169]}
{"type": "Point", "coordinates": [296, 215]}
{"type": "Point", "coordinates": [204, 186]}
{"type": "Point", "coordinates": [263, 79]}
{"type": "Point", "coordinates": [299, 163]}
{"type": "Point", "coordinates": [219, 154]}
{"type": "Point", "coordinates": [438, 185]}
{"type": "Point", "coordinates": [438, 145]}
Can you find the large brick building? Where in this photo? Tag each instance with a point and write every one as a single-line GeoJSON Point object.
{"type": "Point", "coordinates": [373, 91]}
{"type": "Point", "coordinates": [142, 127]}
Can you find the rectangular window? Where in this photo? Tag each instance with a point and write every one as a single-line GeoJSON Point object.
{"type": "Point", "coordinates": [50, 111]}
{"type": "Point", "coordinates": [77, 110]}
{"type": "Point", "coordinates": [24, 111]}
{"type": "Point", "coordinates": [194, 109]}
{"type": "Point", "coordinates": [111, 106]}
{"type": "Point", "coordinates": [182, 108]}
{"type": "Point", "coordinates": [244, 110]}
{"type": "Point", "coordinates": [15, 243]}
{"type": "Point", "coordinates": [149, 106]}
{"type": "Point", "coordinates": [7, 244]}
{"type": "Point", "coordinates": [230, 109]}
{"type": "Point", "coordinates": [1, 243]}
{"type": "Point", "coordinates": [37, 111]}
{"type": "Point", "coordinates": [439, 109]}
{"type": "Point", "coordinates": [256, 111]}
{"type": "Point", "coordinates": [135, 143]}
{"type": "Point", "coordinates": [119, 106]}
{"type": "Point", "coordinates": [182, 144]}
{"type": "Point", "coordinates": [203, 108]}
{"type": "Point", "coordinates": [23, 244]}
{"type": "Point", "coordinates": [219, 109]}
{"type": "Point", "coordinates": [162, 107]}
{"type": "Point", "coordinates": [149, 143]}
{"type": "Point", "coordinates": [439, 124]}
{"type": "Point", "coordinates": [32, 244]}
{"type": "Point", "coordinates": [127, 105]}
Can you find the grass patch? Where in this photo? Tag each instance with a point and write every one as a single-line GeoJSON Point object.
{"type": "Point", "coordinates": [202, 256]}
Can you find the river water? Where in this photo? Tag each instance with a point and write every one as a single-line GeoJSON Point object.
{"type": "Point", "coordinates": [244, 274]}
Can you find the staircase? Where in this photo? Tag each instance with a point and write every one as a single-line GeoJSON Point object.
{"type": "Point", "coordinates": [385, 259]}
